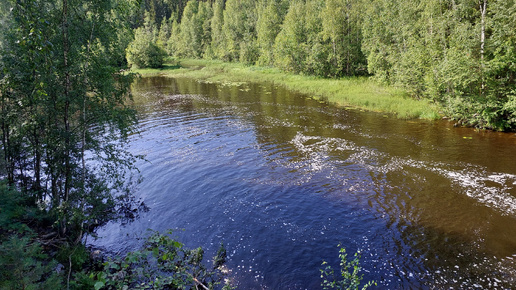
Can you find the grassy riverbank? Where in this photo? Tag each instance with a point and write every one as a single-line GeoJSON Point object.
{"type": "Point", "coordinates": [358, 92]}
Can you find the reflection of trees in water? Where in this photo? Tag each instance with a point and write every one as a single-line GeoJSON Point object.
{"type": "Point", "coordinates": [428, 229]}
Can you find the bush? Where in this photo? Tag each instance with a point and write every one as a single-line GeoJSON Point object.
{"type": "Point", "coordinates": [23, 265]}
{"type": "Point", "coordinates": [349, 279]}
{"type": "Point", "coordinates": [164, 263]}
{"type": "Point", "coordinates": [143, 52]}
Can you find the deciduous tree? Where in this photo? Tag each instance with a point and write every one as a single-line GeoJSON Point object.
{"type": "Point", "coordinates": [65, 114]}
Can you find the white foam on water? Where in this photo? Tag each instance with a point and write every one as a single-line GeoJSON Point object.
{"type": "Point", "coordinates": [489, 188]}
{"type": "Point", "coordinates": [492, 189]}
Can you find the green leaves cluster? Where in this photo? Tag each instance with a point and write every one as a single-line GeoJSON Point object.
{"type": "Point", "coordinates": [23, 263]}
{"type": "Point", "coordinates": [25, 266]}
{"type": "Point", "coordinates": [349, 278]}
{"type": "Point", "coordinates": [459, 53]}
{"type": "Point", "coordinates": [164, 263]}
{"type": "Point", "coordinates": [64, 111]}
{"type": "Point", "coordinates": [293, 35]}
{"type": "Point", "coordinates": [143, 51]}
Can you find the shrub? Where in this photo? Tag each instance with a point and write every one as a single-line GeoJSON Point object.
{"type": "Point", "coordinates": [163, 263]}
{"type": "Point", "coordinates": [23, 265]}
{"type": "Point", "coordinates": [349, 274]}
{"type": "Point", "coordinates": [143, 52]}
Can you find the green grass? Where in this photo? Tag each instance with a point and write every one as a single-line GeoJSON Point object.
{"type": "Point", "coordinates": [358, 92]}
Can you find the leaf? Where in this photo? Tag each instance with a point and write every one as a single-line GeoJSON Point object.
{"type": "Point", "coordinates": [99, 285]}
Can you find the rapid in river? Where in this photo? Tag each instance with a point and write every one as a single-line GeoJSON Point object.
{"type": "Point", "coordinates": [283, 179]}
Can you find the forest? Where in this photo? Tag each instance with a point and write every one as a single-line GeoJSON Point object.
{"type": "Point", "coordinates": [458, 53]}
{"type": "Point", "coordinates": [66, 114]}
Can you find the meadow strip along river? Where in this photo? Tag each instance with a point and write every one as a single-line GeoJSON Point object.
{"type": "Point", "coordinates": [283, 179]}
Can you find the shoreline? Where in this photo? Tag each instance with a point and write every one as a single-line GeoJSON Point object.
{"type": "Point", "coordinates": [356, 92]}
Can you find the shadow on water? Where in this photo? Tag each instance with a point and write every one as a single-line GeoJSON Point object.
{"type": "Point", "coordinates": [283, 179]}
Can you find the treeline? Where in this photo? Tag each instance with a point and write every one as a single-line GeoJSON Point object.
{"type": "Point", "coordinates": [459, 53]}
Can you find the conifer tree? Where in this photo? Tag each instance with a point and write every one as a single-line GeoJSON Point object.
{"type": "Point", "coordinates": [190, 32]}
{"type": "Point", "coordinates": [204, 20]}
{"type": "Point", "coordinates": [217, 48]}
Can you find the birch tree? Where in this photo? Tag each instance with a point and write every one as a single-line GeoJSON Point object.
{"type": "Point", "coordinates": [66, 114]}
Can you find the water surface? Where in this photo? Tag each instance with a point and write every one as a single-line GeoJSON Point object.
{"type": "Point", "coordinates": [283, 179]}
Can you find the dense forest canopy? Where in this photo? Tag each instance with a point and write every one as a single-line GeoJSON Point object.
{"type": "Point", "coordinates": [458, 53]}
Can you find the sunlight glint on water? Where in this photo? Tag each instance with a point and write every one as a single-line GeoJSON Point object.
{"type": "Point", "coordinates": [282, 180]}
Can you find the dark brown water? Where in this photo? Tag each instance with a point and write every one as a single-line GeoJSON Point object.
{"type": "Point", "coordinates": [283, 179]}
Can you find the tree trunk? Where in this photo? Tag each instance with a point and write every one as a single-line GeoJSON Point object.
{"type": "Point", "coordinates": [67, 85]}
{"type": "Point", "coordinates": [483, 9]}
{"type": "Point", "coordinates": [66, 118]}
{"type": "Point", "coordinates": [37, 165]}
{"type": "Point", "coordinates": [7, 153]}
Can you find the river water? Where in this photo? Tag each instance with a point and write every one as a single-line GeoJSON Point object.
{"type": "Point", "coordinates": [283, 179]}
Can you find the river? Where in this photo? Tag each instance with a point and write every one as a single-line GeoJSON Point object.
{"type": "Point", "coordinates": [283, 179]}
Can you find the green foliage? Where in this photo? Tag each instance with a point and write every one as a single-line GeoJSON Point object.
{"type": "Point", "coordinates": [164, 263]}
{"type": "Point", "coordinates": [239, 31]}
{"type": "Point", "coordinates": [189, 44]}
{"type": "Point", "coordinates": [290, 47]}
{"type": "Point", "coordinates": [349, 278]}
{"type": "Point", "coordinates": [270, 16]}
{"type": "Point", "coordinates": [64, 114]}
{"type": "Point", "coordinates": [342, 35]}
{"type": "Point", "coordinates": [204, 17]}
{"type": "Point", "coordinates": [447, 51]}
{"type": "Point", "coordinates": [174, 41]}
{"type": "Point", "coordinates": [217, 49]}
{"type": "Point", "coordinates": [458, 53]}
{"type": "Point", "coordinates": [23, 265]}
{"type": "Point", "coordinates": [164, 33]}
{"type": "Point", "coordinates": [143, 52]}
{"type": "Point", "coordinates": [326, 43]}
{"type": "Point", "coordinates": [192, 37]}
{"type": "Point", "coordinates": [74, 256]}
{"type": "Point", "coordinates": [147, 48]}
{"type": "Point", "coordinates": [15, 208]}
